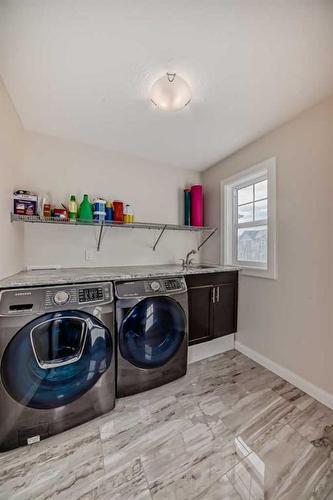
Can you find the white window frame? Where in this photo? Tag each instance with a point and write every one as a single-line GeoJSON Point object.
{"type": "Point", "coordinates": [264, 170]}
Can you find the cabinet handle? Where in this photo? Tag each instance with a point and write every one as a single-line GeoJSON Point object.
{"type": "Point", "coordinates": [217, 294]}
{"type": "Point", "coordinates": [213, 294]}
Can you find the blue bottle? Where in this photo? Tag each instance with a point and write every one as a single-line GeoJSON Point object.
{"type": "Point", "coordinates": [109, 211]}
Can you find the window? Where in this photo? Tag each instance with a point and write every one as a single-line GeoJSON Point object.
{"type": "Point", "coordinates": [249, 220]}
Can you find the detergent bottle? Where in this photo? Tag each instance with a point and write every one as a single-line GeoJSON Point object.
{"type": "Point", "coordinates": [86, 213]}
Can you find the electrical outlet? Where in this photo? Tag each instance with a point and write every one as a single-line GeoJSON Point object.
{"type": "Point", "coordinates": [89, 254]}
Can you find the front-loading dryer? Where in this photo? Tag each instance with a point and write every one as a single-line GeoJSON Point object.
{"type": "Point", "coordinates": [57, 351]}
{"type": "Point", "coordinates": [152, 331]}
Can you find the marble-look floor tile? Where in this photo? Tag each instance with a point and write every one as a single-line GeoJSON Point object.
{"type": "Point", "coordinates": [222, 489]}
{"type": "Point", "coordinates": [197, 399]}
{"type": "Point", "coordinates": [226, 396]}
{"type": "Point", "coordinates": [193, 461]}
{"type": "Point", "coordinates": [241, 361]}
{"type": "Point", "coordinates": [324, 489]}
{"type": "Point", "coordinates": [286, 466]}
{"type": "Point", "coordinates": [229, 429]}
{"type": "Point", "coordinates": [144, 399]}
{"type": "Point", "coordinates": [268, 422]}
{"type": "Point", "coordinates": [213, 372]}
{"type": "Point", "coordinates": [315, 423]}
{"type": "Point", "coordinates": [256, 378]}
{"type": "Point", "coordinates": [258, 415]}
{"type": "Point", "coordinates": [128, 483]}
{"type": "Point", "coordinates": [129, 435]}
{"type": "Point", "coordinates": [292, 394]}
{"type": "Point", "coordinates": [60, 467]}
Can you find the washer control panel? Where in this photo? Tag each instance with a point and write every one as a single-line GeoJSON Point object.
{"type": "Point", "coordinates": [146, 288]}
{"type": "Point", "coordinates": [25, 301]}
{"type": "Point", "coordinates": [78, 295]}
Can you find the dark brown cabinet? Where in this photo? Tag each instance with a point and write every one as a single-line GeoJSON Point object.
{"type": "Point", "coordinates": [225, 310]}
{"type": "Point", "coordinates": [200, 313]}
{"type": "Point", "coordinates": [212, 303]}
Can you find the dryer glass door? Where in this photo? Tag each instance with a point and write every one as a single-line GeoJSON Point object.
{"type": "Point", "coordinates": [152, 332]}
{"type": "Point", "coordinates": [55, 359]}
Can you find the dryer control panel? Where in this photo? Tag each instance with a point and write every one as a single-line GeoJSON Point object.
{"type": "Point", "coordinates": [148, 287]}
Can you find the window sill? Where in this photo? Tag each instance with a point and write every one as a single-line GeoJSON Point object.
{"type": "Point", "coordinates": [258, 272]}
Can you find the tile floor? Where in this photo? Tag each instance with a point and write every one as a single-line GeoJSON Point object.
{"type": "Point", "coordinates": [229, 430]}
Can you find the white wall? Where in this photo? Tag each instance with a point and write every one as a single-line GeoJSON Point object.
{"type": "Point", "coordinates": [11, 142]}
{"type": "Point", "coordinates": [154, 191]}
{"type": "Point", "coordinates": [290, 320]}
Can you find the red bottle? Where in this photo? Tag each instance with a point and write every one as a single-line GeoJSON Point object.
{"type": "Point", "coordinates": [118, 211]}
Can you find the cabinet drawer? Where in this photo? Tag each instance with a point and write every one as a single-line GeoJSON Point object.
{"type": "Point", "coordinates": [194, 280]}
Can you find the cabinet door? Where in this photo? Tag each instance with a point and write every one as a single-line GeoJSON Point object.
{"type": "Point", "coordinates": [200, 314]}
{"type": "Point", "coordinates": [225, 310]}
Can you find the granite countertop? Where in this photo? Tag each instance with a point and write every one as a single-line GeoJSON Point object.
{"type": "Point", "coordinates": [91, 274]}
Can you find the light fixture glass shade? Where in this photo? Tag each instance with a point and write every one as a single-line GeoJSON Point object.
{"type": "Point", "coordinates": [170, 93]}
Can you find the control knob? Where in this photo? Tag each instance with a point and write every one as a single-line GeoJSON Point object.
{"type": "Point", "coordinates": [60, 298]}
{"type": "Point", "coordinates": [155, 286]}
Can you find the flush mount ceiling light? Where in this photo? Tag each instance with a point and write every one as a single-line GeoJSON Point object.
{"type": "Point", "coordinates": [170, 93]}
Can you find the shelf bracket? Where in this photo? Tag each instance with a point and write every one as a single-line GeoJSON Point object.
{"type": "Point", "coordinates": [159, 237]}
{"type": "Point", "coordinates": [206, 239]}
{"type": "Point", "coordinates": [100, 237]}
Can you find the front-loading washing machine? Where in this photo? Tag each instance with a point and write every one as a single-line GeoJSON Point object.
{"type": "Point", "coordinates": [57, 351]}
{"type": "Point", "coordinates": [152, 331]}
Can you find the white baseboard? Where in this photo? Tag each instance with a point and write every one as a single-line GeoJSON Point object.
{"type": "Point", "coordinates": [314, 391]}
{"type": "Point", "coordinates": [211, 348]}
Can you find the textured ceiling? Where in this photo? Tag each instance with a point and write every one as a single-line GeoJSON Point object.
{"type": "Point", "coordinates": [82, 69]}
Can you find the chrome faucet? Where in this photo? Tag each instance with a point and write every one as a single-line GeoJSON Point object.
{"type": "Point", "coordinates": [186, 263]}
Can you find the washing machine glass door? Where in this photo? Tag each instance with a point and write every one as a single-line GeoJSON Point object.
{"type": "Point", "coordinates": [152, 332]}
{"type": "Point", "coordinates": [55, 359]}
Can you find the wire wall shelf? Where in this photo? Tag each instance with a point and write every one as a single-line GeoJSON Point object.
{"type": "Point", "coordinates": [114, 224]}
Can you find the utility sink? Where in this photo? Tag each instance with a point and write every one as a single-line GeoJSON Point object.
{"type": "Point", "coordinates": [202, 266]}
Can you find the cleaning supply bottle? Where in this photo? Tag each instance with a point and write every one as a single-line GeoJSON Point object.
{"type": "Point", "coordinates": [86, 213]}
{"type": "Point", "coordinates": [118, 211]}
{"type": "Point", "coordinates": [72, 208]}
{"type": "Point", "coordinates": [128, 214]}
{"type": "Point", "coordinates": [99, 209]}
{"type": "Point", "coordinates": [126, 217]}
{"type": "Point", "coordinates": [109, 211]}
{"type": "Point", "coordinates": [44, 205]}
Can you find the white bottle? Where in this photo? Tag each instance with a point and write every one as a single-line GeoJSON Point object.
{"type": "Point", "coordinates": [128, 214]}
{"type": "Point", "coordinates": [44, 200]}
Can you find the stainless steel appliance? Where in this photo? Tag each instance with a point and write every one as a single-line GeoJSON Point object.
{"type": "Point", "coordinates": [57, 351]}
{"type": "Point", "coordinates": [152, 329]}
